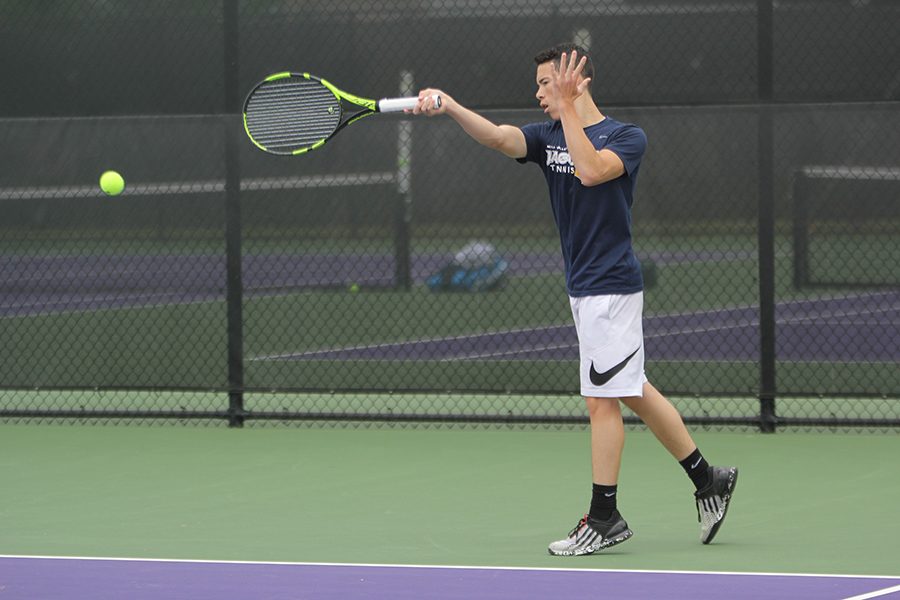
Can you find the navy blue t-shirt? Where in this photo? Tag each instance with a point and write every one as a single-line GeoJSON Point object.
{"type": "Point", "coordinates": [594, 222]}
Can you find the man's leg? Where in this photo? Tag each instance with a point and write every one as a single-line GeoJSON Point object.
{"type": "Point", "coordinates": [611, 361]}
{"type": "Point", "coordinates": [607, 439]}
{"type": "Point", "coordinates": [663, 420]}
{"type": "Point", "coordinates": [715, 485]}
{"type": "Point", "coordinates": [603, 526]}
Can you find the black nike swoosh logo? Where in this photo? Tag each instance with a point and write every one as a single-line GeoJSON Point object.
{"type": "Point", "coordinates": [602, 378]}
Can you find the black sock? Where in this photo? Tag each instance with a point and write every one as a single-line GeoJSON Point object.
{"type": "Point", "coordinates": [697, 468]}
{"type": "Point", "coordinates": [603, 502]}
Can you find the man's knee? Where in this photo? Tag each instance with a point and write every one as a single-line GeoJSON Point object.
{"type": "Point", "coordinates": [598, 407]}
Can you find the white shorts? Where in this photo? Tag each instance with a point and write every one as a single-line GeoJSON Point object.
{"type": "Point", "coordinates": [610, 344]}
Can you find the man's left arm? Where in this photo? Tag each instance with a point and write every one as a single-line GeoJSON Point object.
{"type": "Point", "coordinates": [592, 166]}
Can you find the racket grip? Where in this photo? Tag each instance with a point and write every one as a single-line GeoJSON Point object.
{"type": "Point", "coordinates": [400, 104]}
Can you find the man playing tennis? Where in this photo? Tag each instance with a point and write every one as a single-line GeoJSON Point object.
{"type": "Point", "coordinates": [591, 164]}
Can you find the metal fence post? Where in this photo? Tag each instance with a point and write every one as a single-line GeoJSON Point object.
{"type": "Point", "coordinates": [766, 219]}
{"type": "Point", "coordinates": [234, 282]}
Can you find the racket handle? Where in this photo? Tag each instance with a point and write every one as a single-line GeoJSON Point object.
{"type": "Point", "coordinates": [399, 104]}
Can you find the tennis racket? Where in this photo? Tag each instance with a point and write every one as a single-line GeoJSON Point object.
{"type": "Point", "coordinates": [293, 113]}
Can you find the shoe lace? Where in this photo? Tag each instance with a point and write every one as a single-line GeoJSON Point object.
{"type": "Point", "coordinates": [578, 527]}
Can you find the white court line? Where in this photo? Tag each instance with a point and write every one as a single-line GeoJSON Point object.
{"type": "Point", "coordinates": [464, 336]}
{"type": "Point", "coordinates": [151, 296]}
{"type": "Point", "coordinates": [876, 593]}
{"type": "Point", "coordinates": [448, 567]}
{"type": "Point", "coordinates": [825, 313]}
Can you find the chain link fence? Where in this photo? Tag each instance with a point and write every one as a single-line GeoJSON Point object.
{"type": "Point", "coordinates": [226, 285]}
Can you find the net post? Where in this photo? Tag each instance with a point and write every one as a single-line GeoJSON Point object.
{"type": "Point", "coordinates": [766, 218]}
{"type": "Point", "coordinates": [403, 205]}
{"type": "Point", "coordinates": [234, 279]}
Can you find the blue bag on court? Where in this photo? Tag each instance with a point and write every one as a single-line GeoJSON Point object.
{"type": "Point", "coordinates": [476, 267]}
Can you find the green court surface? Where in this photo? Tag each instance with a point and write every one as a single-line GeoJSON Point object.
{"type": "Point", "coordinates": [811, 503]}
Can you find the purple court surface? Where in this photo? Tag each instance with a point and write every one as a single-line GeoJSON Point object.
{"type": "Point", "coordinates": [857, 326]}
{"type": "Point", "coordinates": [52, 578]}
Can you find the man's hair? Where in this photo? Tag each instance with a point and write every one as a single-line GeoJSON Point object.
{"type": "Point", "coordinates": [555, 53]}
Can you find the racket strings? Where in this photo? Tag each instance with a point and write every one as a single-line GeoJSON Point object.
{"type": "Point", "coordinates": [290, 115]}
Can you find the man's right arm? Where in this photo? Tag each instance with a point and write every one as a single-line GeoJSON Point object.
{"type": "Point", "coordinates": [507, 139]}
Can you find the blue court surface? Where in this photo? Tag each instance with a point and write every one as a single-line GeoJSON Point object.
{"type": "Point", "coordinates": [71, 578]}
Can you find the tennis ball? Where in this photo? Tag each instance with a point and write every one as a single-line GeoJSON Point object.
{"type": "Point", "coordinates": [112, 183]}
{"type": "Point", "coordinates": [354, 288]}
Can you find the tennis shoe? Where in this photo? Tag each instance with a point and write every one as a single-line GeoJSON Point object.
{"type": "Point", "coordinates": [591, 535]}
{"type": "Point", "coordinates": [713, 501]}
